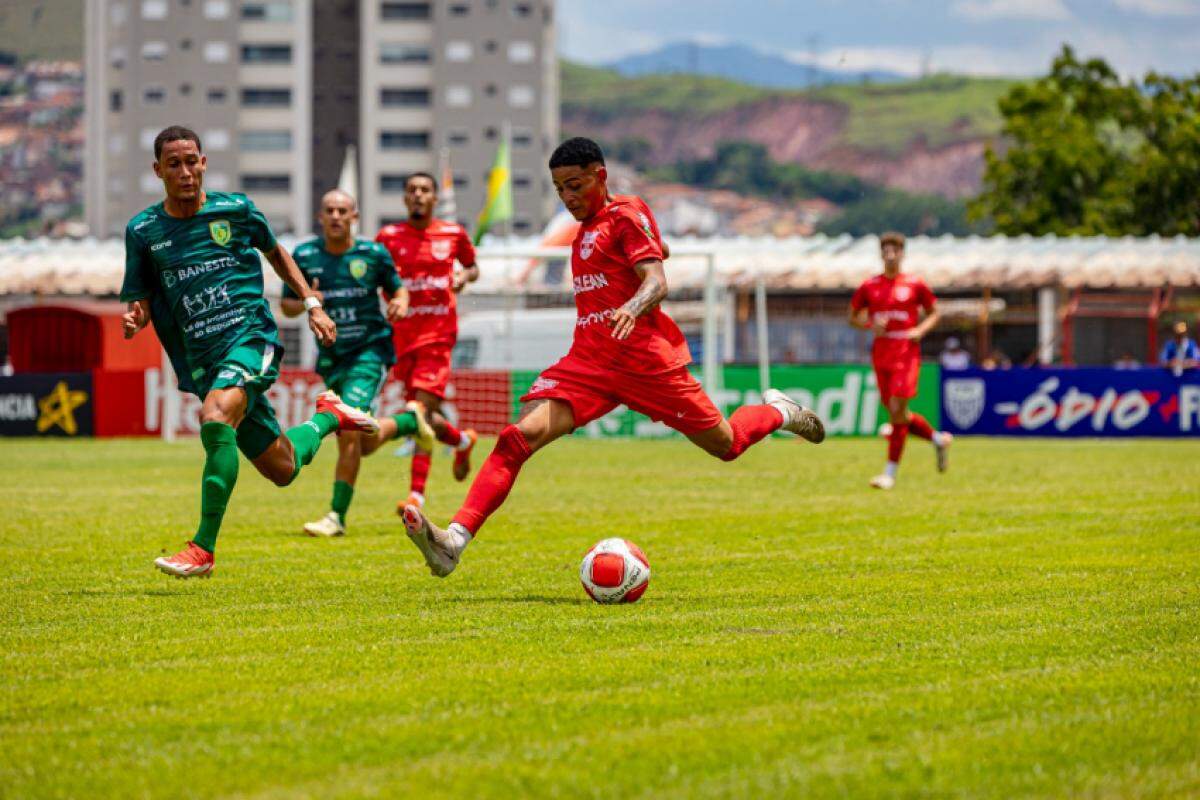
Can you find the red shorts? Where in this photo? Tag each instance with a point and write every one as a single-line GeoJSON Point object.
{"type": "Point", "coordinates": [674, 398]}
{"type": "Point", "coordinates": [426, 368]}
{"type": "Point", "coordinates": [897, 378]}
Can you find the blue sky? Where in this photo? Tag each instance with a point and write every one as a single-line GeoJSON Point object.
{"type": "Point", "coordinates": [997, 37]}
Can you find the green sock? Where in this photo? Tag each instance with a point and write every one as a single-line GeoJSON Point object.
{"type": "Point", "coordinates": [406, 423]}
{"type": "Point", "coordinates": [220, 474]}
{"type": "Point", "coordinates": [343, 493]}
{"type": "Point", "coordinates": [306, 437]}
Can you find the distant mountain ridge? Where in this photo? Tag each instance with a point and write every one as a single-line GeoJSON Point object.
{"type": "Point", "coordinates": [738, 62]}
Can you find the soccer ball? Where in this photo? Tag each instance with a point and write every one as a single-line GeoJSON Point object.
{"type": "Point", "coordinates": [615, 571]}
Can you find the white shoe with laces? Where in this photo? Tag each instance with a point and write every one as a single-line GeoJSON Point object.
{"type": "Point", "coordinates": [883, 481]}
{"type": "Point", "coordinates": [442, 548]}
{"type": "Point", "coordinates": [329, 525]}
{"type": "Point", "coordinates": [941, 443]}
{"type": "Point", "coordinates": [796, 418]}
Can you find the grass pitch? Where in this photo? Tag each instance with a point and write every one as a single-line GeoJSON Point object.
{"type": "Point", "coordinates": [1025, 625]}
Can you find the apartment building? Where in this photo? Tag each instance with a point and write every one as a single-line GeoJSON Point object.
{"type": "Point", "coordinates": [279, 89]}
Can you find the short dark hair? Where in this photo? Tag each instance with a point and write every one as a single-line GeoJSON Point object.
{"type": "Point", "coordinates": [175, 133]}
{"type": "Point", "coordinates": [432, 179]}
{"type": "Point", "coordinates": [893, 238]}
{"type": "Point", "coordinates": [577, 152]}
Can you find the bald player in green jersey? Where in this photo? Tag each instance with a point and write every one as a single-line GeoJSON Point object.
{"type": "Point", "coordinates": [348, 274]}
{"type": "Point", "coordinates": [192, 269]}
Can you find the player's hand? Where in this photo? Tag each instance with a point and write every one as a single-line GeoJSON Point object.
{"type": "Point", "coordinates": [914, 334]}
{"type": "Point", "coordinates": [321, 325]}
{"type": "Point", "coordinates": [134, 319]}
{"type": "Point", "coordinates": [622, 323]}
{"type": "Point", "coordinates": [397, 307]}
{"type": "Point", "coordinates": [878, 328]}
{"type": "Point", "coordinates": [458, 280]}
{"type": "Point", "coordinates": [319, 295]}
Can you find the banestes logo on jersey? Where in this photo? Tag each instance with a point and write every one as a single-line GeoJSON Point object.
{"type": "Point", "coordinates": [221, 233]}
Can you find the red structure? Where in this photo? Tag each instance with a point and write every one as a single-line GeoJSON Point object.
{"type": "Point", "coordinates": [77, 338]}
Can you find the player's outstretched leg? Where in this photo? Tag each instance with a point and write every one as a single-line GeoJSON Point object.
{"type": "Point", "coordinates": [920, 427]}
{"type": "Point", "coordinates": [749, 425]}
{"type": "Point", "coordinates": [541, 422]}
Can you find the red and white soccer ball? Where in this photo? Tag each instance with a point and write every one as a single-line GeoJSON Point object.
{"type": "Point", "coordinates": [615, 571]}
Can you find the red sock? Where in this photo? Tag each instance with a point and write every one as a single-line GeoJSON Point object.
{"type": "Point", "coordinates": [896, 442]}
{"type": "Point", "coordinates": [750, 424]}
{"type": "Point", "coordinates": [420, 471]}
{"type": "Point", "coordinates": [449, 435]}
{"type": "Point", "coordinates": [919, 426]}
{"type": "Point", "coordinates": [496, 477]}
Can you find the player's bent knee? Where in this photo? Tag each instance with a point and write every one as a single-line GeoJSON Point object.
{"type": "Point", "coordinates": [513, 438]}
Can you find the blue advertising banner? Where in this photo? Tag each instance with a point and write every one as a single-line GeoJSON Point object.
{"type": "Point", "coordinates": [1071, 402]}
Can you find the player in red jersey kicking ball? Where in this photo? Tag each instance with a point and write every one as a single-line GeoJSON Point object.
{"type": "Point", "coordinates": [425, 249]}
{"type": "Point", "coordinates": [626, 351]}
{"type": "Point", "coordinates": [890, 305]}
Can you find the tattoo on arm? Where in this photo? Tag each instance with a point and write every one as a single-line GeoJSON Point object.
{"type": "Point", "coordinates": [649, 294]}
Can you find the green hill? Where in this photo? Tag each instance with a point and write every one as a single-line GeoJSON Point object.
{"type": "Point", "coordinates": [885, 118]}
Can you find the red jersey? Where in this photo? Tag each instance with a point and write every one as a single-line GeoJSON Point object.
{"type": "Point", "coordinates": [603, 256]}
{"type": "Point", "coordinates": [425, 260]}
{"type": "Point", "coordinates": [894, 303]}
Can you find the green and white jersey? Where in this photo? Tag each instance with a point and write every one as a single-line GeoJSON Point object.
{"type": "Point", "coordinates": [207, 270]}
{"type": "Point", "coordinates": [350, 283]}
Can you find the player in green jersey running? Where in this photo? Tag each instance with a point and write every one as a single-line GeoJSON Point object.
{"type": "Point", "coordinates": [191, 268]}
{"type": "Point", "coordinates": [348, 274]}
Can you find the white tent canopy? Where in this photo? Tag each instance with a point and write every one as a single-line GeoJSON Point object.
{"type": "Point", "coordinates": [818, 263]}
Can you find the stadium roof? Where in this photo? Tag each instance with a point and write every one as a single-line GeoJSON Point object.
{"type": "Point", "coordinates": [818, 263]}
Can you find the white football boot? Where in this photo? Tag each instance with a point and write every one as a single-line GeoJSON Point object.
{"type": "Point", "coordinates": [941, 444]}
{"type": "Point", "coordinates": [442, 549]}
{"type": "Point", "coordinates": [796, 418]}
{"type": "Point", "coordinates": [883, 481]}
{"type": "Point", "coordinates": [329, 525]}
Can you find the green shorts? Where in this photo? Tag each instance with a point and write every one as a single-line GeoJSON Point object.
{"type": "Point", "coordinates": [356, 378]}
{"type": "Point", "coordinates": [254, 367]}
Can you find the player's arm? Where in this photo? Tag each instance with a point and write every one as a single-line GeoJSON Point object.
{"type": "Point", "coordinates": [137, 286]}
{"type": "Point", "coordinates": [466, 257]}
{"type": "Point", "coordinates": [932, 317]}
{"type": "Point", "coordinates": [652, 292]}
{"type": "Point", "coordinates": [286, 268]}
{"type": "Point", "coordinates": [394, 290]}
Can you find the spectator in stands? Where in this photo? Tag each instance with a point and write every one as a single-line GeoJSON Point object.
{"type": "Point", "coordinates": [1126, 361]}
{"type": "Point", "coordinates": [996, 360]}
{"type": "Point", "coordinates": [954, 356]}
{"type": "Point", "coordinates": [1180, 352]}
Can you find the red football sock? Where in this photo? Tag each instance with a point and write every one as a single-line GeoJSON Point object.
{"type": "Point", "coordinates": [750, 424]}
{"type": "Point", "coordinates": [420, 470]}
{"type": "Point", "coordinates": [896, 442]}
{"type": "Point", "coordinates": [919, 426]}
{"type": "Point", "coordinates": [496, 477]}
{"type": "Point", "coordinates": [449, 435]}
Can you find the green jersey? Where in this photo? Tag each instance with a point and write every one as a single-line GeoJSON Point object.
{"type": "Point", "coordinates": [350, 283]}
{"type": "Point", "coordinates": [204, 275]}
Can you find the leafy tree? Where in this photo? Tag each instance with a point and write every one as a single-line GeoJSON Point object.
{"type": "Point", "coordinates": [1090, 154]}
{"type": "Point", "coordinates": [910, 214]}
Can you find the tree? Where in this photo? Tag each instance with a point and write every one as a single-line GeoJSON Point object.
{"type": "Point", "coordinates": [1089, 154]}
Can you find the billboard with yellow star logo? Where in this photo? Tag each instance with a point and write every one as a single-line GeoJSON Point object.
{"type": "Point", "coordinates": [46, 404]}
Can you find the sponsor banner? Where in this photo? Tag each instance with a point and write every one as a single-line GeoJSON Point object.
{"type": "Point", "coordinates": [46, 404]}
{"type": "Point", "coordinates": [1071, 402]}
{"type": "Point", "coordinates": [844, 395]}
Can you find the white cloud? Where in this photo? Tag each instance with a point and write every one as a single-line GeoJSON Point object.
{"type": "Point", "coordinates": [1160, 8]}
{"type": "Point", "coordinates": [984, 10]}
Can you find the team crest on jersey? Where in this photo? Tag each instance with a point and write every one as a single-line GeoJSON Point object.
{"type": "Point", "coordinates": [902, 294]}
{"type": "Point", "coordinates": [440, 249]}
{"type": "Point", "coordinates": [588, 244]}
{"type": "Point", "coordinates": [358, 268]}
{"type": "Point", "coordinates": [220, 231]}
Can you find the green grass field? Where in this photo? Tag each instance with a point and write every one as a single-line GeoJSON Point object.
{"type": "Point", "coordinates": [1025, 625]}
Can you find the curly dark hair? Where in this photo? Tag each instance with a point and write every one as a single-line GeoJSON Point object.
{"type": "Point", "coordinates": [577, 152]}
{"type": "Point", "coordinates": [175, 133]}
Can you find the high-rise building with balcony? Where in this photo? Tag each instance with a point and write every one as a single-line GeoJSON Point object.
{"type": "Point", "coordinates": [280, 89]}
